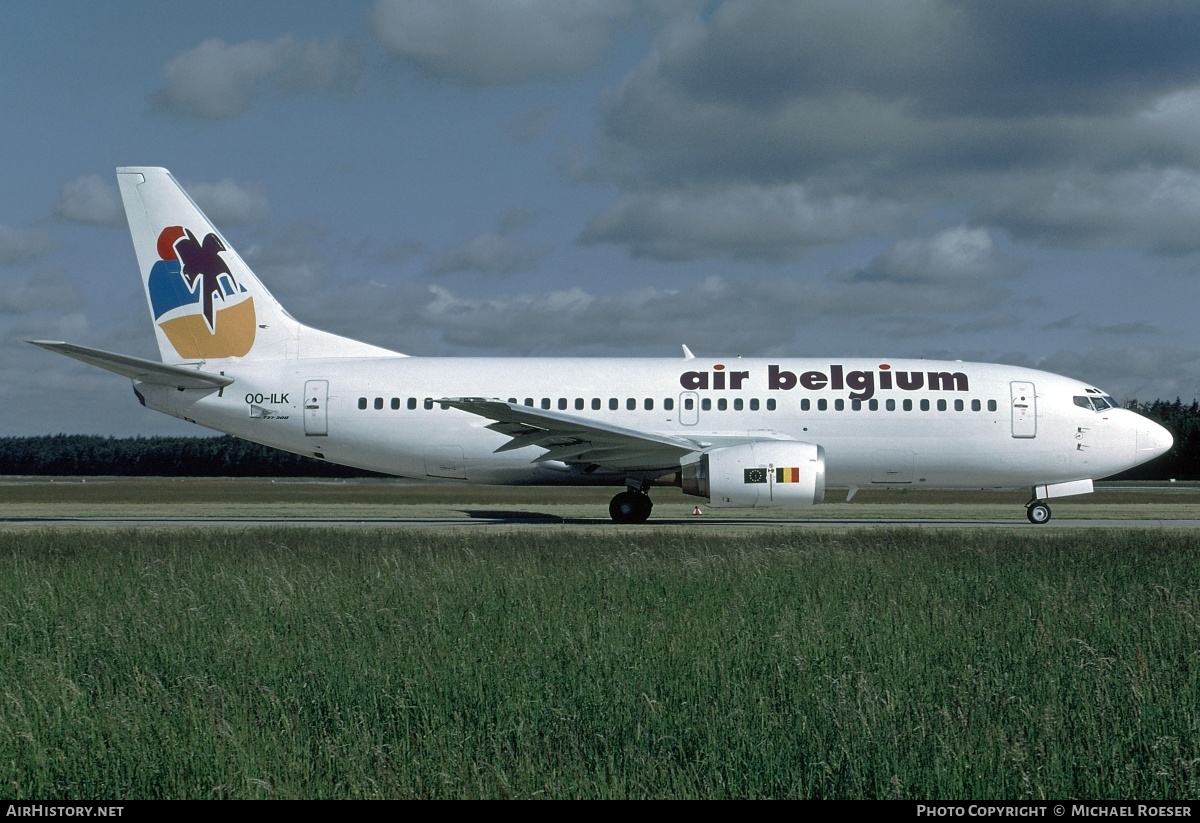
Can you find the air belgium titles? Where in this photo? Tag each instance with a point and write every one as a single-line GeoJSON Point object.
{"type": "Point", "coordinates": [861, 383]}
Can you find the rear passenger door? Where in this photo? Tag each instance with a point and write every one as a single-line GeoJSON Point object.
{"type": "Point", "coordinates": [316, 408]}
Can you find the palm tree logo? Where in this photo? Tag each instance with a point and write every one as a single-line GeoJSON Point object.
{"type": "Point", "coordinates": [202, 268]}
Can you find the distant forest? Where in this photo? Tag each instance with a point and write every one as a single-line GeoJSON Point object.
{"type": "Point", "coordinates": [82, 454]}
{"type": "Point", "coordinates": [77, 454]}
{"type": "Point", "coordinates": [1182, 462]}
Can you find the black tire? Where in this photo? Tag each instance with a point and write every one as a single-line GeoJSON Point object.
{"type": "Point", "coordinates": [630, 507]}
{"type": "Point", "coordinates": [1038, 512]}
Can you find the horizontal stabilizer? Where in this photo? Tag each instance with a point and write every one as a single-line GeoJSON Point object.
{"type": "Point", "coordinates": [144, 371]}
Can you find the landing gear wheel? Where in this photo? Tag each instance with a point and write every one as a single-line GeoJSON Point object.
{"type": "Point", "coordinates": [630, 507]}
{"type": "Point", "coordinates": [1037, 512]}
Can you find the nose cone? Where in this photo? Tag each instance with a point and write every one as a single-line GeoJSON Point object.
{"type": "Point", "coordinates": [1152, 440]}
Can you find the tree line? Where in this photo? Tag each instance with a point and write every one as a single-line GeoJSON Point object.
{"type": "Point", "coordinates": [1182, 462]}
{"type": "Point", "coordinates": [226, 456]}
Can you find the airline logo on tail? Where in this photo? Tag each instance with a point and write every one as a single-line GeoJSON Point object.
{"type": "Point", "coordinates": [197, 303]}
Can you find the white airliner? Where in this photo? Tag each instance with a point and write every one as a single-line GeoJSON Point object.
{"type": "Point", "coordinates": [760, 433]}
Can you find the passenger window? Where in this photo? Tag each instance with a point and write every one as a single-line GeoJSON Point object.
{"type": "Point", "coordinates": [529, 402]}
{"type": "Point", "coordinates": [362, 402]}
{"type": "Point", "coordinates": [771, 404]}
{"type": "Point", "coordinates": [378, 402]}
{"type": "Point", "coordinates": [689, 404]}
{"type": "Point", "coordinates": [428, 404]}
{"type": "Point", "coordinates": [976, 405]}
{"type": "Point", "coordinates": [578, 404]}
{"type": "Point", "coordinates": [545, 402]}
{"type": "Point", "coordinates": [595, 404]}
{"type": "Point", "coordinates": [562, 404]}
{"type": "Point", "coordinates": [668, 404]}
{"type": "Point", "coordinates": [958, 405]}
{"type": "Point", "coordinates": [804, 404]}
{"type": "Point", "coordinates": [631, 404]}
{"type": "Point", "coordinates": [822, 404]}
{"type": "Point", "coordinates": [991, 405]}
{"type": "Point", "coordinates": [737, 404]}
{"type": "Point", "coordinates": [907, 404]}
{"type": "Point", "coordinates": [722, 404]}
{"type": "Point", "coordinates": [649, 404]}
{"type": "Point", "coordinates": [395, 402]}
{"type": "Point", "coordinates": [412, 403]}
{"type": "Point", "coordinates": [890, 404]}
{"type": "Point", "coordinates": [924, 405]}
{"type": "Point", "coordinates": [613, 404]}
{"type": "Point", "coordinates": [753, 404]}
{"type": "Point", "coordinates": [706, 404]}
{"type": "Point", "coordinates": [873, 405]}
{"type": "Point", "coordinates": [856, 405]}
{"type": "Point", "coordinates": [839, 405]}
{"type": "Point", "coordinates": [941, 405]}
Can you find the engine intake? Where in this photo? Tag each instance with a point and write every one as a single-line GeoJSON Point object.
{"type": "Point", "coordinates": [767, 474]}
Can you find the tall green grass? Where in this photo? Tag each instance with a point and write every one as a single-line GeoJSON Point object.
{"type": "Point", "coordinates": [561, 663]}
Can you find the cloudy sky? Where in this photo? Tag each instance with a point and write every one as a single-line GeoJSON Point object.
{"type": "Point", "coordinates": [1015, 182]}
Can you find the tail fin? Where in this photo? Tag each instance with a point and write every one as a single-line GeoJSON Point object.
{"type": "Point", "coordinates": [205, 301]}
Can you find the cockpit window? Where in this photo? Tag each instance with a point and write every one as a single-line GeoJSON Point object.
{"type": "Point", "coordinates": [1095, 402]}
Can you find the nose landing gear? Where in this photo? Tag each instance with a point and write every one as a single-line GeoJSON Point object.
{"type": "Point", "coordinates": [1037, 511]}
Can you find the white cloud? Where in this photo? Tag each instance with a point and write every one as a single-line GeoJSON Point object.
{"type": "Point", "coordinates": [216, 80]}
{"type": "Point", "coordinates": [957, 254]}
{"type": "Point", "coordinates": [1131, 372]}
{"type": "Point", "coordinates": [45, 291]}
{"type": "Point", "coordinates": [1176, 110]}
{"type": "Point", "coordinates": [499, 252]}
{"type": "Point", "coordinates": [744, 221]}
{"type": "Point", "coordinates": [494, 44]}
{"type": "Point", "coordinates": [291, 260]}
{"type": "Point", "coordinates": [1154, 209]}
{"type": "Point", "coordinates": [743, 316]}
{"type": "Point", "coordinates": [994, 321]}
{"type": "Point", "coordinates": [915, 104]}
{"type": "Point", "coordinates": [490, 253]}
{"type": "Point", "coordinates": [23, 245]}
{"type": "Point", "coordinates": [91, 199]}
{"type": "Point", "coordinates": [227, 202]}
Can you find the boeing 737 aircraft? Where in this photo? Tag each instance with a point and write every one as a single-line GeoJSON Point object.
{"type": "Point", "coordinates": [760, 433]}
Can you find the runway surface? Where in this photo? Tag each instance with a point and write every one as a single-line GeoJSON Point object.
{"type": "Point", "coordinates": [705, 522]}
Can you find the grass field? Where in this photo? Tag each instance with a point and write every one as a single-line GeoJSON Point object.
{"type": "Point", "coordinates": [556, 662]}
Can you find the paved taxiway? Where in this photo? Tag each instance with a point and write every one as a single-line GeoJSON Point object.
{"type": "Point", "coordinates": [696, 522]}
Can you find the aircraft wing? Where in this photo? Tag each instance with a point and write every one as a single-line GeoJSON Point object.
{"type": "Point", "coordinates": [578, 440]}
{"type": "Point", "coordinates": [144, 371]}
{"type": "Point", "coordinates": [574, 439]}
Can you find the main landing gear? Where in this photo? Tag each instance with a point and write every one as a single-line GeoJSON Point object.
{"type": "Point", "coordinates": [1037, 511]}
{"type": "Point", "coordinates": [630, 506]}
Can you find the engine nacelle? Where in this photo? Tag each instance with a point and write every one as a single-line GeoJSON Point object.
{"type": "Point", "coordinates": [766, 474]}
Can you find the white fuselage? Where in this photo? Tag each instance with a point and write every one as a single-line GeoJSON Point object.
{"type": "Point", "coordinates": [897, 423]}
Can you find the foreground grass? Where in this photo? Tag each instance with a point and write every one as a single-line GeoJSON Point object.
{"type": "Point", "coordinates": [549, 663]}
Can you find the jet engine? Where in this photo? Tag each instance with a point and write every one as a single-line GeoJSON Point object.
{"type": "Point", "coordinates": [765, 474]}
